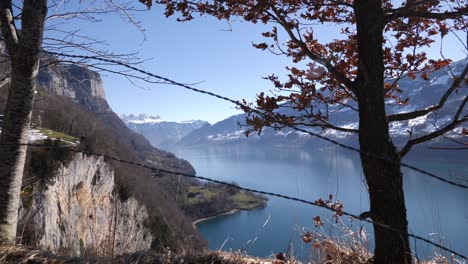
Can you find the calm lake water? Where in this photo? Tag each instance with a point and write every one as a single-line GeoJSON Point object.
{"type": "Point", "coordinates": [435, 210]}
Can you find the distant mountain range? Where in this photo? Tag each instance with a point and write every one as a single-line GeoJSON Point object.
{"type": "Point", "coordinates": [160, 133]}
{"type": "Point", "coordinates": [421, 93]}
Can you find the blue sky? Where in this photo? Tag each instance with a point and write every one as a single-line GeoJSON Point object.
{"type": "Point", "coordinates": [197, 51]}
{"type": "Point", "coordinates": [192, 52]}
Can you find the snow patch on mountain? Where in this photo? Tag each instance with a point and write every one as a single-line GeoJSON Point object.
{"type": "Point", "coordinates": [34, 134]}
{"type": "Point", "coordinates": [283, 134]}
{"type": "Point", "coordinates": [189, 121]}
{"type": "Point", "coordinates": [227, 136]}
{"type": "Point", "coordinates": [141, 119]}
{"type": "Point", "coordinates": [418, 121]}
{"type": "Point", "coordinates": [440, 81]}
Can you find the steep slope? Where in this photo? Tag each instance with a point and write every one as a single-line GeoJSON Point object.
{"type": "Point", "coordinates": [422, 93]}
{"type": "Point", "coordinates": [84, 87]}
{"type": "Point", "coordinates": [160, 133]}
{"type": "Point", "coordinates": [85, 115]}
{"type": "Point", "coordinates": [72, 81]}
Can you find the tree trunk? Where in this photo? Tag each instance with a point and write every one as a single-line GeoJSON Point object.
{"type": "Point", "coordinates": [384, 177]}
{"type": "Point", "coordinates": [24, 56]}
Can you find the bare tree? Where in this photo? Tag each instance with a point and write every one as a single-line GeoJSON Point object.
{"type": "Point", "coordinates": [42, 27]}
{"type": "Point", "coordinates": [24, 52]}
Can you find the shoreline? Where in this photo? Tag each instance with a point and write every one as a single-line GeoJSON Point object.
{"type": "Point", "coordinates": [194, 223]}
{"type": "Point", "coordinates": [233, 211]}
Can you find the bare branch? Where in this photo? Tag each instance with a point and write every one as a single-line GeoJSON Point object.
{"type": "Point", "coordinates": [348, 105]}
{"type": "Point", "coordinates": [454, 140]}
{"type": "Point", "coordinates": [447, 148]}
{"type": "Point", "coordinates": [337, 128]}
{"type": "Point", "coordinates": [339, 76]}
{"type": "Point", "coordinates": [461, 108]}
{"type": "Point", "coordinates": [124, 11]}
{"type": "Point", "coordinates": [409, 10]}
{"type": "Point", "coordinates": [444, 15]}
{"type": "Point", "coordinates": [326, 125]}
{"type": "Point", "coordinates": [456, 122]}
{"type": "Point", "coordinates": [69, 15]}
{"type": "Point", "coordinates": [411, 115]}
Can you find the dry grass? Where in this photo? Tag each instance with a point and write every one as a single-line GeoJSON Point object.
{"type": "Point", "coordinates": [324, 250]}
{"type": "Point", "coordinates": [439, 259]}
{"type": "Point", "coordinates": [209, 258]}
{"type": "Point", "coordinates": [10, 254]}
{"type": "Point", "coordinates": [353, 248]}
{"type": "Point", "coordinates": [331, 252]}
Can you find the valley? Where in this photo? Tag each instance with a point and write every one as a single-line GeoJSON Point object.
{"type": "Point", "coordinates": [297, 164]}
{"type": "Point", "coordinates": [256, 132]}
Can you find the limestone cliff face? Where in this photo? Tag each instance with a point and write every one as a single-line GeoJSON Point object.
{"type": "Point", "coordinates": [79, 83]}
{"type": "Point", "coordinates": [71, 81]}
{"type": "Point", "coordinates": [80, 213]}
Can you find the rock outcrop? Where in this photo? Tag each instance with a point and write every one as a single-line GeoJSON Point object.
{"type": "Point", "coordinates": [79, 213]}
{"type": "Point", "coordinates": [81, 84]}
{"type": "Point", "coordinates": [71, 81]}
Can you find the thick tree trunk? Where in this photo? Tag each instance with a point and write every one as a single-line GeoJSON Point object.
{"type": "Point", "coordinates": [384, 177]}
{"type": "Point", "coordinates": [24, 55]}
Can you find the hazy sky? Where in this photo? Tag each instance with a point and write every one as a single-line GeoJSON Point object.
{"type": "Point", "coordinates": [202, 50]}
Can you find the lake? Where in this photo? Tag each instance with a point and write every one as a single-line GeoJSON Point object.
{"type": "Point", "coordinates": [435, 210]}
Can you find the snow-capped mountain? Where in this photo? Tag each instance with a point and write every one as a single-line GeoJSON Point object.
{"type": "Point", "coordinates": [141, 119]}
{"type": "Point", "coordinates": [422, 93]}
{"type": "Point", "coordinates": [160, 133]}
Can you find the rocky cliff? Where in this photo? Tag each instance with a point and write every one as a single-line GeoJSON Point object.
{"type": "Point", "coordinates": [79, 212]}
{"type": "Point", "coordinates": [71, 81]}
{"type": "Point", "coordinates": [91, 206]}
{"type": "Point", "coordinates": [81, 84]}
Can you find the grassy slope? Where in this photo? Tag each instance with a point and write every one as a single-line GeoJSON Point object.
{"type": "Point", "coordinates": [61, 117]}
{"type": "Point", "coordinates": [243, 200]}
{"type": "Point", "coordinates": [57, 135]}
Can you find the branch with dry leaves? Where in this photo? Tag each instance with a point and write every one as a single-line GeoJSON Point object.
{"type": "Point", "coordinates": [339, 76]}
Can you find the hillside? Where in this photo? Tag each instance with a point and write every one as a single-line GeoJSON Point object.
{"type": "Point", "coordinates": [71, 104]}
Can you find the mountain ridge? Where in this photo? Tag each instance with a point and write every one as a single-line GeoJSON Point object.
{"type": "Point", "coordinates": [421, 93]}
{"type": "Point", "coordinates": [159, 132]}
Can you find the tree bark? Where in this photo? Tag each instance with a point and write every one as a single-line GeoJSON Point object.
{"type": "Point", "coordinates": [24, 56]}
{"type": "Point", "coordinates": [383, 176]}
